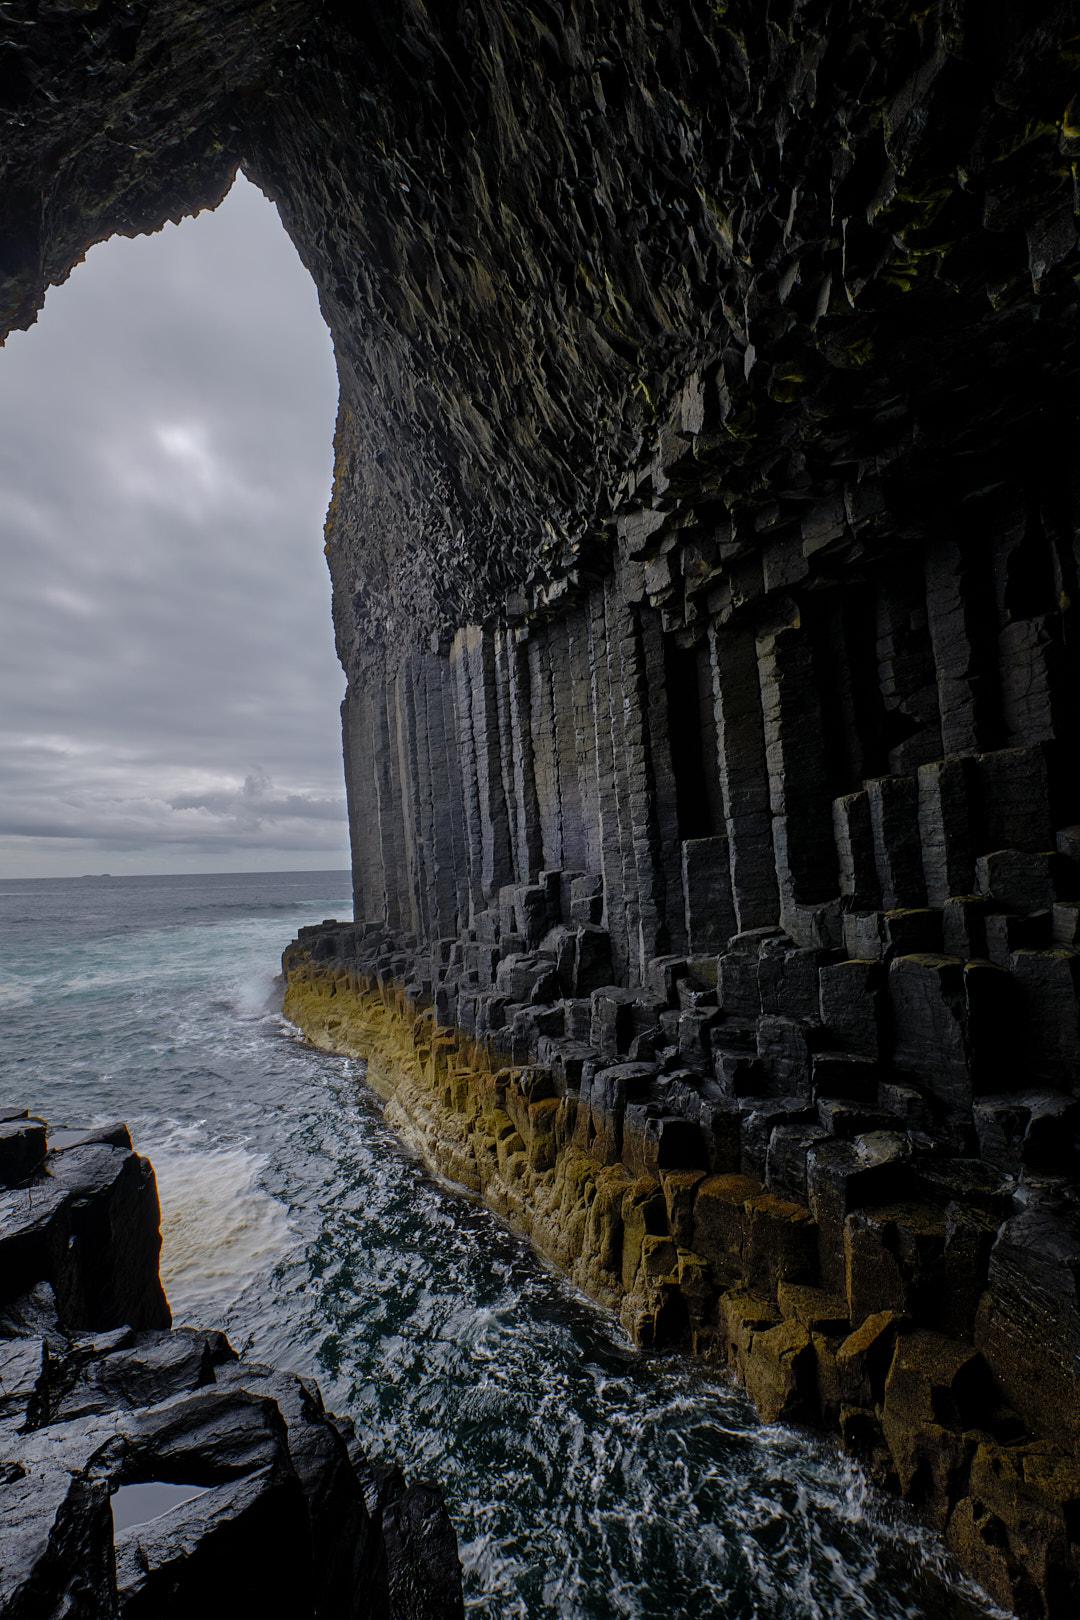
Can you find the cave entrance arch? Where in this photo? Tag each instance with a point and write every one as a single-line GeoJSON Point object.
{"type": "Point", "coordinates": [166, 654]}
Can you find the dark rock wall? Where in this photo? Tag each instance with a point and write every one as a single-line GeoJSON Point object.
{"type": "Point", "coordinates": [791, 251]}
{"type": "Point", "coordinates": [786, 768]}
{"type": "Point", "coordinates": [738, 339]}
{"type": "Point", "coordinates": [279, 1509]}
{"type": "Point", "coordinates": [800, 274]}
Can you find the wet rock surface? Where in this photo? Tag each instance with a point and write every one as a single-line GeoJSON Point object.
{"type": "Point", "coordinates": [153, 1472]}
{"type": "Point", "coordinates": [83, 1218]}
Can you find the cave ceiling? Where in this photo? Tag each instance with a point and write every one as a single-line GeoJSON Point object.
{"type": "Point", "coordinates": [719, 262]}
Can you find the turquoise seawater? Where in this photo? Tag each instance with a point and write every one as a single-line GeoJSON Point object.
{"type": "Point", "coordinates": [584, 1479]}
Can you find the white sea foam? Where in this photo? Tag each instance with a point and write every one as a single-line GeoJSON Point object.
{"type": "Point", "coordinates": [219, 1228]}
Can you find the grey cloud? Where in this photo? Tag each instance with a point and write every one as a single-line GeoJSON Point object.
{"type": "Point", "coordinates": [119, 809]}
{"type": "Point", "coordinates": [170, 687]}
{"type": "Point", "coordinates": [255, 802]}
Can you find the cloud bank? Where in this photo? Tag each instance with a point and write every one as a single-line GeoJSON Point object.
{"type": "Point", "coordinates": [166, 657]}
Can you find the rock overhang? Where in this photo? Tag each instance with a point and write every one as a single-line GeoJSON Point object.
{"type": "Point", "coordinates": [713, 272]}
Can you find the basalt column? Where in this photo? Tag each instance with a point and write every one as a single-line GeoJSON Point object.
{"type": "Point", "coordinates": [755, 1006]}
{"type": "Point", "coordinates": [746, 980]}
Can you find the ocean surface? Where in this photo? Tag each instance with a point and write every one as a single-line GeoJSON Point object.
{"type": "Point", "coordinates": [584, 1479]}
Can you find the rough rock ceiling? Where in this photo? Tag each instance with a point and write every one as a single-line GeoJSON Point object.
{"type": "Point", "coordinates": [734, 259]}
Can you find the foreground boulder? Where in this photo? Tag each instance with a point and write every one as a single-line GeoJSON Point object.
{"type": "Point", "coordinates": [154, 1473]}
{"type": "Point", "coordinates": [84, 1216]}
{"type": "Point", "coordinates": [273, 1508]}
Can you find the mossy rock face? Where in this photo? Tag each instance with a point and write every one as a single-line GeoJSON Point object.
{"type": "Point", "coordinates": [720, 1221]}
{"type": "Point", "coordinates": [716, 1264]}
{"type": "Point", "coordinates": [863, 1359]}
{"type": "Point", "coordinates": [814, 1307]}
{"type": "Point", "coordinates": [779, 1372]}
{"type": "Point", "coordinates": [781, 1241]}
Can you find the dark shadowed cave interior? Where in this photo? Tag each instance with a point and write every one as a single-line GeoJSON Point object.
{"type": "Point", "coordinates": [704, 555]}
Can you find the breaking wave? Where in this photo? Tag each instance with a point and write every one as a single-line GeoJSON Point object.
{"type": "Point", "coordinates": [13, 993]}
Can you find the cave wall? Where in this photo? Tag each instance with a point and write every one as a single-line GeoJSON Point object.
{"type": "Point", "coordinates": [750, 260]}
{"type": "Point", "coordinates": [746, 262]}
{"type": "Point", "coordinates": [877, 771]}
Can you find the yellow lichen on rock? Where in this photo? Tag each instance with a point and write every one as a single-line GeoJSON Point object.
{"type": "Point", "coordinates": [480, 1123]}
{"type": "Point", "coordinates": [715, 1264]}
{"type": "Point", "coordinates": [626, 1237]}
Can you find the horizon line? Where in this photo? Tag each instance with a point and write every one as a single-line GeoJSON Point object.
{"type": "Point", "coordinates": [123, 877]}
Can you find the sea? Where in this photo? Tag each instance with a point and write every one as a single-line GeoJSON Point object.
{"type": "Point", "coordinates": [586, 1480]}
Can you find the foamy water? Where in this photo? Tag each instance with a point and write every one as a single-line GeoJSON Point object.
{"type": "Point", "coordinates": [13, 993]}
{"type": "Point", "coordinates": [218, 1227]}
{"type": "Point", "coordinates": [585, 1480]}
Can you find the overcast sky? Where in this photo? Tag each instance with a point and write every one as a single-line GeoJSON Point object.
{"type": "Point", "coordinates": [170, 690]}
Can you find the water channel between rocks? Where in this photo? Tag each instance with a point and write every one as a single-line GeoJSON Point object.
{"type": "Point", "coordinates": [584, 1479]}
